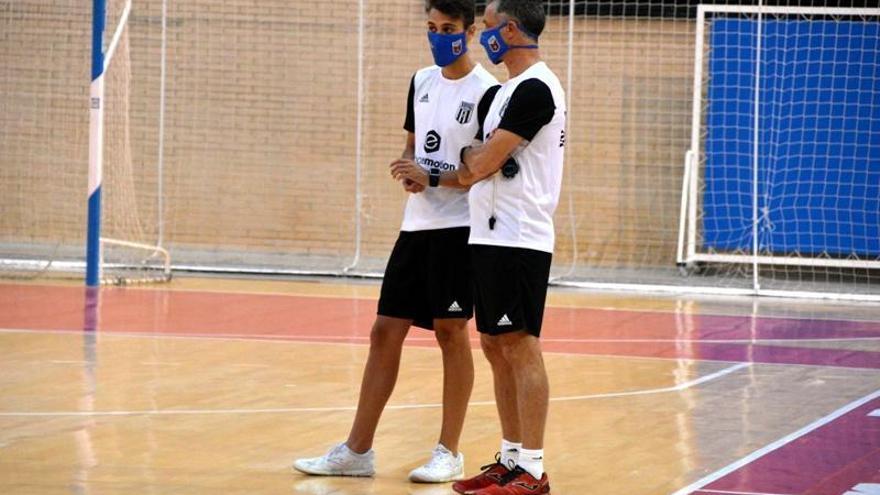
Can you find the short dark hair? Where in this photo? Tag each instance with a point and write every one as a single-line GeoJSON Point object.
{"type": "Point", "coordinates": [529, 13]}
{"type": "Point", "coordinates": [456, 9]}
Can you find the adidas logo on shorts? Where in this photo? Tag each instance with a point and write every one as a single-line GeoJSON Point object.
{"type": "Point", "coordinates": [504, 321]}
{"type": "Point", "coordinates": [454, 306]}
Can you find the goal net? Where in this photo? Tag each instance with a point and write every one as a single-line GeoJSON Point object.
{"type": "Point", "coordinates": [782, 191]}
{"type": "Point", "coordinates": [44, 132]}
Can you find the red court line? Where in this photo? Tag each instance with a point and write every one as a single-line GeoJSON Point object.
{"type": "Point", "coordinates": [315, 318]}
{"type": "Point", "coordinates": [831, 459]}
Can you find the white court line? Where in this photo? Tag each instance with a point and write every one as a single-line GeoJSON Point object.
{"type": "Point", "coordinates": [740, 493]}
{"type": "Point", "coordinates": [275, 339]}
{"type": "Point", "coordinates": [697, 485]}
{"type": "Point", "coordinates": [562, 290]}
{"type": "Point", "coordinates": [676, 388]}
{"type": "Point", "coordinates": [169, 412]}
{"type": "Point", "coordinates": [358, 338]}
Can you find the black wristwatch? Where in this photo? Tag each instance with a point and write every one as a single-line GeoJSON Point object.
{"type": "Point", "coordinates": [434, 177]}
{"type": "Point", "coordinates": [462, 152]}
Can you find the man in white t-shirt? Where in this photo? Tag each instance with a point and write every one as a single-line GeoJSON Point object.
{"type": "Point", "coordinates": [427, 281]}
{"type": "Point", "coordinates": [515, 178]}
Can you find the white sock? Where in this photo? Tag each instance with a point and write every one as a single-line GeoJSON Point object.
{"type": "Point", "coordinates": [532, 461]}
{"type": "Point", "coordinates": [509, 452]}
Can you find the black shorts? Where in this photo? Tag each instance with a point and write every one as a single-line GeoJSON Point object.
{"type": "Point", "coordinates": [428, 276]}
{"type": "Point", "coordinates": [510, 288]}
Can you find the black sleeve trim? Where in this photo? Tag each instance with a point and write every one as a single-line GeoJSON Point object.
{"type": "Point", "coordinates": [483, 108]}
{"type": "Point", "coordinates": [410, 123]}
{"type": "Point", "coordinates": [531, 107]}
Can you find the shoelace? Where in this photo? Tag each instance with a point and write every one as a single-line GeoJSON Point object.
{"type": "Point", "coordinates": [438, 459]}
{"type": "Point", "coordinates": [337, 455]}
{"type": "Point", "coordinates": [490, 466]}
{"type": "Point", "coordinates": [514, 473]}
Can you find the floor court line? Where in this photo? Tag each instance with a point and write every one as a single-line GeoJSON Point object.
{"type": "Point", "coordinates": [330, 337]}
{"type": "Point", "coordinates": [696, 486]}
{"type": "Point", "coordinates": [564, 291]}
{"type": "Point", "coordinates": [168, 412]}
{"type": "Point", "coordinates": [725, 492]}
{"type": "Point", "coordinates": [284, 339]}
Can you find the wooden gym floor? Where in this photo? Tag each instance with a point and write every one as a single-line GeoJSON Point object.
{"type": "Point", "coordinates": [214, 386]}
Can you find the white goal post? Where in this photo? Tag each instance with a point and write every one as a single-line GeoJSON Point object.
{"type": "Point", "coordinates": [144, 263]}
{"type": "Point", "coordinates": [750, 175]}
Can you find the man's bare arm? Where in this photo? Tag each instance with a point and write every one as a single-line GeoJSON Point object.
{"type": "Point", "coordinates": [479, 162]}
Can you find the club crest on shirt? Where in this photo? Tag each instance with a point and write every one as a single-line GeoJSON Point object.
{"type": "Point", "coordinates": [456, 47]}
{"type": "Point", "coordinates": [465, 112]}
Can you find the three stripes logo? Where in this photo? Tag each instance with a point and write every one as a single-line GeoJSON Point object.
{"type": "Point", "coordinates": [454, 307]}
{"type": "Point", "coordinates": [465, 112]}
{"type": "Point", "coordinates": [505, 321]}
{"type": "Point", "coordinates": [424, 98]}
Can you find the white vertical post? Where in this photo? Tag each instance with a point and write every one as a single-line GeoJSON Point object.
{"type": "Point", "coordinates": [568, 97]}
{"type": "Point", "coordinates": [359, 140]}
{"type": "Point", "coordinates": [161, 151]}
{"type": "Point", "coordinates": [680, 256]}
{"type": "Point", "coordinates": [756, 283]}
{"type": "Point", "coordinates": [96, 147]}
{"type": "Point", "coordinates": [696, 116]}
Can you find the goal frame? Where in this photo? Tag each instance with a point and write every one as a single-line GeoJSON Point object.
{"type": "Point", "coordinates": [100, 63]}
{"type": "Point", "coordinates": [687, 254]}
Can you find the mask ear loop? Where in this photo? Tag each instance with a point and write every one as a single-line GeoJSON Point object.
{"type": "Point", "coordinates": [527, 33]}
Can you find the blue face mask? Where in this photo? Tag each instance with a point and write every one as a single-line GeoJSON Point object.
{"type": "Point", "coordinates": [495, 45]}
{"type": "Point", "coordinates": [446, 48]}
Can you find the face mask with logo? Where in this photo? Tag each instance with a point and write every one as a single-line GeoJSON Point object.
{"type": "Point", "coordinates": [495, 45]}
{"type": "Point", "coordinates": [446, 48]}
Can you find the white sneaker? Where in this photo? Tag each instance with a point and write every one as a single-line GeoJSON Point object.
{"type": "Point", "coordinates": [442, 467]}
{"type": "Point", "coordinates": [340, 461]}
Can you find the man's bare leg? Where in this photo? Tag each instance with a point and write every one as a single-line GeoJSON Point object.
{"type": "Point", "coordinates": [458, 377]}
{"type": "Point", "coordinates": [380, 376]}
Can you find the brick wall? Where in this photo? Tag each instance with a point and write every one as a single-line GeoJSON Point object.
{"type": "Point", "coordinates": [261, 141]}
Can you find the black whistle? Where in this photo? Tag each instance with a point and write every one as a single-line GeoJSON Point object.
{"type": "Point", "coordinates": [492, 222]}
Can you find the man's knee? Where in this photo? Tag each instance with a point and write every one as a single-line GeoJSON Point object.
{"type": "Point", "coordinates": [451, 333]}
{"type": "Point", "coordinates": [518, 347]}
{"type": "Point", "coordinates": [493, 347]}
{"type": "Point", "coordinates": [388, 331]}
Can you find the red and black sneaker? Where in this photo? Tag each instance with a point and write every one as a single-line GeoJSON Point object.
{"type": "Point", "coordinates": [518, 482]}
{"type": "Point", "coordinates": [492, 474]}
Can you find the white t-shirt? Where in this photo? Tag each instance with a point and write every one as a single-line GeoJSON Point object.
{"type": "Point", "coordinates": [532, 106]}
{"type": "Point", "coordinates": [442, 113]}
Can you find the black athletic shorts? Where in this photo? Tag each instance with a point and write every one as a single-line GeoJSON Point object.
{"type": "Point", "coordinates": [510, 288]}
{"type": "Point", "coordinates": [428, 276]}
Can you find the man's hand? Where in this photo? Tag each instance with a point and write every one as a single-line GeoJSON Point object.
{"type": "Point", "coordinates": [412, 187]}
{"type": "Point", "coordinates": [481, 161]}
{"type": "Point", "coordinates": [403, 168]}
